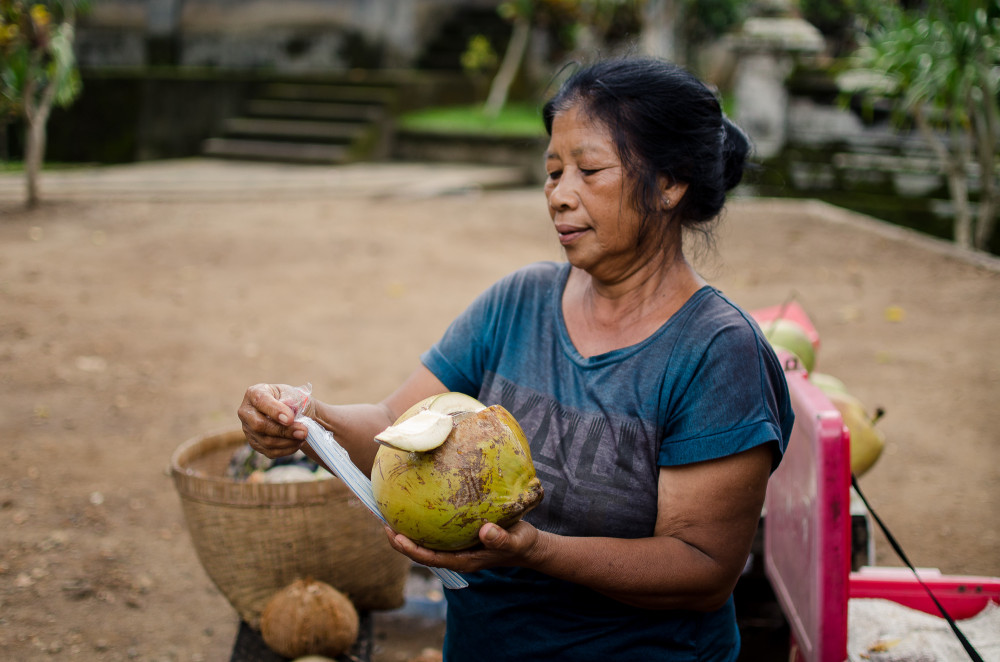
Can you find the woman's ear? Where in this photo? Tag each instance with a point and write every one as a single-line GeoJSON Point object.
{"type": "Point", "coordinates": [671, 192]}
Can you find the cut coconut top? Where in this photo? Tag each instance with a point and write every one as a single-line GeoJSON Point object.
{"type": "Point", "coordinates": [424, 431]}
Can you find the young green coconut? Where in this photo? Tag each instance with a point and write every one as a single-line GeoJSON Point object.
{"type": "Point", "coordinates": [788, 334]}
{"type": "Point", "coordinates": [450, 464]}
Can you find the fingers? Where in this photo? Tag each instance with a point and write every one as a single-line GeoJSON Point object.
{"type": "Point", "coordinates": [500, 548]}
{"type": "Point", "coordinates": [266, 398]}
{"type": "Point", "coordinates": [413, 551]}
{"type": "Point", "coordinates": [493, 537]}
{"type": "Point", "coordinates": [519, 542]}
{"type": "Point", "coordinates": [268, 422]}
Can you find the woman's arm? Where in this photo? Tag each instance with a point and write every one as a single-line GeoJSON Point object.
{"type": "Point", "coordinates": [268, 419]}
{"type": "Point", "coordinates": [708, 513]}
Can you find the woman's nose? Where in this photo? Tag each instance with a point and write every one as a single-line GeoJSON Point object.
{"type": "Point", "coordinates": [560, 195]}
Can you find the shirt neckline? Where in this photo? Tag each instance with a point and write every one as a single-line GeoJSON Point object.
{"type": "Point", "coordinates": [614, 355]}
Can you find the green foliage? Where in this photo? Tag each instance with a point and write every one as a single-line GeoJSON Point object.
{"type": "Point", "coordinates": [522, 120]}
{"type": "Point", "coordinates": [37, 71]}
{"type": "Point", "coordinates": [838, 19]}
{"type": "Point", "coordinates": [708, 19]}
{"type": "Point", "coordinates": [565, 19]}
{"type": "Point", "coordinates": [479, 56]}
{"type": "Point", "coordinates": [36, 51]}
{"type": "Point", "coordinates": [945, 59]}
{"type": "Point", "coordinates": [941, 70]}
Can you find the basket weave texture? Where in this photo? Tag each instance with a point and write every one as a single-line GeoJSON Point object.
{"type": "Point", "coordinates": [254, 539]}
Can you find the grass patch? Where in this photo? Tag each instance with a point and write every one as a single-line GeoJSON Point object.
{"type": "Point", "coordinates": [7, 167]}
{"type": "Point", "coordinates": [514, 120]}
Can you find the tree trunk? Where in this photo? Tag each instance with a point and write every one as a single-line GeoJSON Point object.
{"type": "Point", "coordinates": [39, 95]}
{"type": "Point", "coordinates": [986, 221]}
{"type": "Point", "coordinates": [986, 127]}
{"type": "Point", "coordinates": [34, 155]}
{"type": "Point", "coordinates": [959, 190]}
{"type": "Point", "coordinates": [31, 161]}
{"type": "Point", "coordinates": [36, 112]}
{"type": "Point", "coordinates": [954, 167]}
{"type": "Point", "coordinates": [986, 218]}
{"type": "Point", "coordinates": [35, 139]}
{"type": "Point", "coordinates": [508, 68]}
{"type": "Point", "coordinates": [37, 115]}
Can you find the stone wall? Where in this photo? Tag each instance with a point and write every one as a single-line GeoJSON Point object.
{"type": "Point", "coordinates": [287, 36]}
{"type": "Point", "coordinates": [810, 144]}
{"type": "Point", "coordinates": [159, 113]}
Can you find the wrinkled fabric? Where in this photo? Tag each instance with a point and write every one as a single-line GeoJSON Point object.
{"type": "Point", "coordinates": [705, 385]}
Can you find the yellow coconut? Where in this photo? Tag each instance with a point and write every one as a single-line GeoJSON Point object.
{"type": "Point", "coordinates": [481, 473]}
{"type": "Point", "coordinates": [867, 441]}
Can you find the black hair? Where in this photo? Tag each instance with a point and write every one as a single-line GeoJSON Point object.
{"type": "Point", "coordinates": [664, 122]}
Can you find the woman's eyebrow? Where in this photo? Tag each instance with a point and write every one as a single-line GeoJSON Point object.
{"type": "Point", "coordinates": [576, 152]}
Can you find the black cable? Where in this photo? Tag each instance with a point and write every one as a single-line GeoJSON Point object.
{"type": "Point", "coordinates": [899, 551]}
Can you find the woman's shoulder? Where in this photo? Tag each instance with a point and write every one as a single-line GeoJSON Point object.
{"type": "Point", "coordinates": [712, 308]}
{"type": "Point", "coordinates": [517, 290]}
{"type": "Point", "coordinates": [713, 320]}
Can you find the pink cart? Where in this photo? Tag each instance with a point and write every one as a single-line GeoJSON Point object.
{"type": "Point", "coordinates": [807, 533]}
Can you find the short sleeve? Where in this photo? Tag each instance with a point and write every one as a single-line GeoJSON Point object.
{"type": "Point", "coordinates": [459, 358]}
{"type": "Point", "coordinates": [473, 342]}
{"type": "Point", "coordinates": [735, 398]}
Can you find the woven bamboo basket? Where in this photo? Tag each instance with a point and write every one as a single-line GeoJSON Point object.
{"type": "Point", "coordinates": [254, 539]}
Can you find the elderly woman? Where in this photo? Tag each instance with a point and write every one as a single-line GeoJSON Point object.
{"type": "Point", "coordinates": [655, 408]}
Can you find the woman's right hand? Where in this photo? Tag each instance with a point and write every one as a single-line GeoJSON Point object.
{"type": "Point", "coordinates": [268, 415]}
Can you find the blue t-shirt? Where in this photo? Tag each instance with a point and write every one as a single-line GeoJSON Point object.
{"type": "Point", "coordinates": [705, 385]}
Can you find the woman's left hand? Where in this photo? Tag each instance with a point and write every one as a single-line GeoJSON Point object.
{"type": "Point", "coordinates": [500, 547]}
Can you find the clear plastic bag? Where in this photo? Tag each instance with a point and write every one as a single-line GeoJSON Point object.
{"type": "Point", "coordinates": [337, 459]}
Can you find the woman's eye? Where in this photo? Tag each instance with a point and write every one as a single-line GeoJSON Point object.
{"type": "Point", "coordinates": [555, 174]}
{"type": "Point", "coordinates": [586, 172]}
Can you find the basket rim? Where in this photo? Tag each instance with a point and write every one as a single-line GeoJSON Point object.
{"type": "Point", "coordinates": [254, 538]}
{"type": "Point", "coordinates": [209, 488]}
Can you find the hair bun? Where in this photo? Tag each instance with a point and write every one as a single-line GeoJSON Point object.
{"type": "Point", "coordinates": [735, 148]}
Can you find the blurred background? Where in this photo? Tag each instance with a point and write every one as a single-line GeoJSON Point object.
{"type": "Point", "coordinates": [402, 139]}
{"type": "Point", "coordinates": [888, 108]}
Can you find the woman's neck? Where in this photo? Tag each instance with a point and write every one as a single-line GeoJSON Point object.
{"type": "Point", "coordinates": [606, 314]}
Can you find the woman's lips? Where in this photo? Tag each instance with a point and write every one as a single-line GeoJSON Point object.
{"type": "Point", "coordinates": [568, 233]}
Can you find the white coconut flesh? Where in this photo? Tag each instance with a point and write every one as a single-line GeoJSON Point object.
{"type": "Point", "coordinates": [424, 431]}
{"type": "Point", "coordinates": [450, 403]}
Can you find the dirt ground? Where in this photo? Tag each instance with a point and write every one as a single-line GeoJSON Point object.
{"type": "Point", "coordinates": [137, 304]}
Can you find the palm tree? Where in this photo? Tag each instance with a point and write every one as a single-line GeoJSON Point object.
{"type": "Point", "coordinates": [942, 70]}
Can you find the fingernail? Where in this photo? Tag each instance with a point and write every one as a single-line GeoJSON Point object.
{"type": "Point", "coordinates": [491, 534]}
{"type": "Point", "coordinates": [299, 434]}
{"type": "Point", "coordinates": [283, 418]}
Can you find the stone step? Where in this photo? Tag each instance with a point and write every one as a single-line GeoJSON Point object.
{"type": "Point", "coordinates": [308, 121]}
{"type": "Point", "coordinates": [263, 150]}
{"type": "Point", "coordinates": [886, 163]}
{"type": "Point", "coordinates": [371, 94]}
{"type": "Point", "coordinates": [281, 108]}
{"type": "Point", "coordinates": [293, 129]}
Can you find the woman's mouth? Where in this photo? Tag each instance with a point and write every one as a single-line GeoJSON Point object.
{"type": "Point", "coordinates": [568, 233]}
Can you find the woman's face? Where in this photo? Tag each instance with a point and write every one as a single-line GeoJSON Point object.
{"type": "Point", "coordinates": [588, 196]}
